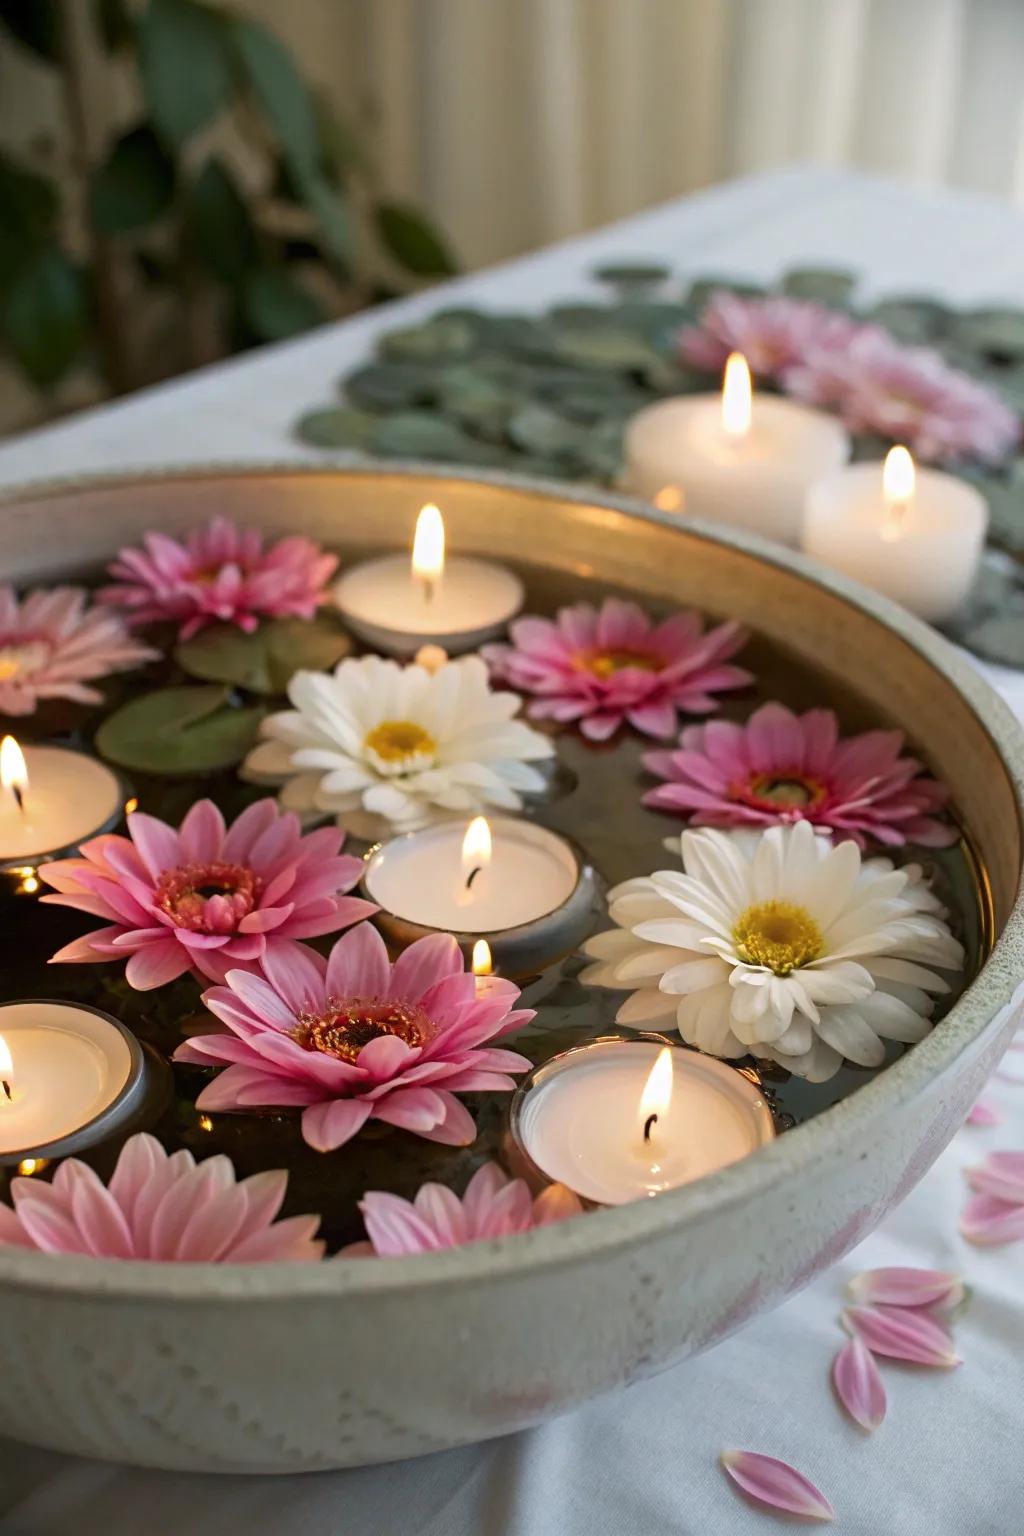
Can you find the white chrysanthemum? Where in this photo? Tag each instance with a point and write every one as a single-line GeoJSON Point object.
{"type": "Point", "coordinates": [375, 741]}
{"type": "Point", "coordinates": [781, 944]}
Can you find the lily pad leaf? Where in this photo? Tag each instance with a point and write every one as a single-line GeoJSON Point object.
{"type": "Point", "coordinates": [622, 351]}
{"type": "Point", "coordinates": [418, 435]}
{"type": "Point", "coordinates": [265, 661]}
{"type": "Point", "coordinates": [179, 731]}
{"type": "Point", "coordinates": [434, 341]}
{"type": "Point", "coordinates": [336, 427]}
{"type": "Point", "coordinates": [390, 386]}
{"type": "Point", "coordinates": [543, 431]}
{"type": "Point", "coordinates": [825, 285]}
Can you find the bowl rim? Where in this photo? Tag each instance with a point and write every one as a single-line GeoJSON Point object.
{"type": "Point", "coordinates": [604, 1232]}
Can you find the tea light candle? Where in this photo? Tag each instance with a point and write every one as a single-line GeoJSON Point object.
{"type": "Point", "coordinates": [69, 1076]}
{"type": "Point", "coordinates": [916, 535]}
{"type": "Point", "coordinates": [522, 886]}
{"type": "Point", "coordinates": [399, 606]}
{"type": "Point", "coordinates": [52, 799]}
{"type": "Point", "coordinates": [619, 1120]}
{"type": "Point", "coordinates": [732, 459]}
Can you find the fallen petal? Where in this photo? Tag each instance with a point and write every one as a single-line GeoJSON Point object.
{"type": "Point", "coordinates": [1002, 1175]}
{"type": "Point", "coordinates": [984, 1113]}
{"type": "Point", "coordinates": [988, 1221]}
{"type": "Point", "coordinates": [897, 1287]}
{"type": "Point", "coordinates": [859, 1385]}
{"type": "Point", "coordinates": [902, 1334]}
{"type": "Point", "coordinates": [776, 1484]}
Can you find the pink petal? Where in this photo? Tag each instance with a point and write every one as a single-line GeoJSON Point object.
{"type": "Point", "coordinates": [988, 1221]}
{"type": "Point", "coordinates": [156, 964]}
{"type": "Point", "coordinates": [858, 1385]}
{"type": "Point", "coordinates": [907, 1288]}
{"type": "Point", "coordinates": [776, 1484]}
{"type": "Point", "coordinates": [1002, 1175]}
{"type": "Point", "coordinates": [901, 1334]}
{"type": "Point", "coordinates": [329, 1125]}
{"type": "Point", "coordinates": [984, 1113]}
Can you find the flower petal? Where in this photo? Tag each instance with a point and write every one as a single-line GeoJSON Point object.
{"type": "Point", "coordinates": [898, 1287]}
{"type": "Point", "coordinates": [902, 1334]}
{"type": "Point", "coordinates": [776, 1484]}
{"type": "Point", "coordinates": [859, 1385]}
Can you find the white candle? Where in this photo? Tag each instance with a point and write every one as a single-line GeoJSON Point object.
{"type": "Point", "coordinates": [619, 1120]}
{"type": "Point", "coordinates": [67, 1075]}
{"type": "Point", "coordinates": [731, 458]}
{"type": "Point", "coordinates": [518, 883]}
{"type": "Point", "coordinates": [52, 799]}
{"type": "Point", "coordinates": [917, 536]}
{"type": "Point", "coordinates": [399, 606]}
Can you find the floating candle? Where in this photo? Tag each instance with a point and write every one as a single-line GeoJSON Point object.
{"type": "Point", "coordinates": [521, 885]}
{"type": "Point", "coordinates": [914, 534]}
{"type": "Point", "coordinates": [398, 605]}
{"type": "Point", "coordinates": [52, 799]}
{"type": "Point", "coordinates": [733, 459]}
{"type": "Point", "coordinates": [69, 1076]}
{"type": "Point", "coordinates": [622, 1119]}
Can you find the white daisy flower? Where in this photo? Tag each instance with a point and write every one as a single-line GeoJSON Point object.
{"type": "Point", "coordinates": [781, 944]}
{"type": "Point", "coordinates": [377, 742]}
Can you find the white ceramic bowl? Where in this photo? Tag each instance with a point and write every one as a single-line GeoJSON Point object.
{"type": "Point", "coordinates": [279, 1368]}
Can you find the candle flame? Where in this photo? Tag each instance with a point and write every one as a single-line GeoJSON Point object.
{"type": "Point", "coordinates": [6, 1064]}
{"type": "Point", "coordinates": [13, 771]}
{"type": "Point", "coordinates": [737, 393]}
{"type": "Point", "coordinates": [476, 846]}
{"type": "Point", "coordinates": [657, 1094]}
{"type": "Point", "coordinates": [899, 480]}
{"type": "Point", "coordinates": [482, 963]}
{"type": "Point", "coordinates": [428, 545]}
{"type": "Point", "coordinates": [431, 658]}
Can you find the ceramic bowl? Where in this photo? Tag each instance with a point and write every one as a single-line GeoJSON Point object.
{"type": "Point", "coordinates": [278, 1368]}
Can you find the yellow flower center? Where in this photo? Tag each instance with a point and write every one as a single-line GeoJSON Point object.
{"type": "Point", "coordinates": [395, 740]}
{"type": "Point", "coordinates": [787, 790]}
{"type": "Point", "coordinates": [9, 667]}
{"type": "Point", "coordinates": [607, 663]}
{"type": "Point", "coordinates": [18, 658]}
{"type": "Point", "coordinates": [778, 935]}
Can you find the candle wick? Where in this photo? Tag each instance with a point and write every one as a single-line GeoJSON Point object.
{"type": "Point", "coordinates": [19, 797]}
{"type": "Point", "coordinates": [648, 1123]}
{"type": "Point", "coordinates": [428, 589]}
{"type": "Point", "coordinates": [7, 1089]}
{"type": "Point", "coordinates": [472, 876]}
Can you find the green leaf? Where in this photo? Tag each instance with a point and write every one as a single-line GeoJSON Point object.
{"type": "Point", "coordinates": [135, 184]}
{"type": "Point", "coordinates": [995, 333]}
{"type": "Point", "coordinates": [35, 23]}
{"type": "Point", "coordinates": [622, 351]}
{"type": "Point", "coordinates": [218, 226]}
{"type": "Point", "coordinates": [438, 340]}
{"type": "Point", "coordinates": [388, 386]}
{"type": "Point", "coordinates": [185, 66]}
{"type": "Point", "coordinates": [331, 211]}
{"type": "Point", "coordinates": [179, 731]}
{"type": "Point", "coordinates": [413, 243]}
{"type": "Point", "coordinates": [280, 90]}
{"type": "Point", "coordinates": [541, 430]}
{"type": "Point", "coordinates": [419, 435]}
{"type": "Point", "coordinates": [634, 274]}
{"type": "Point", "coordinates": [28, 213]}
{"type": "Point", "coordinates": [342, 152]}
{"type": "Point", "coordinates": [265, 661]}
{"type": "Point", "coordinates": [909, 318]}
{"type": "Point", "coordinates": [45, 315]}
{"type": "Point", "coordinates": [337, 426]}
{"type": "Point", "coordinates": [114, 23]}
{"type": "Point", "coordinates": [275, 306]}
{"type": "Point", "coordinates": [824, 285]}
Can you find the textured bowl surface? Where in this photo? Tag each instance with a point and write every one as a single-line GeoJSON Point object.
{"type": "Point", "coordinates": [279, 1368]}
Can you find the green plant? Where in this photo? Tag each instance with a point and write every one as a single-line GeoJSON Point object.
{"type": "Point", "coordinates": [235, 208]}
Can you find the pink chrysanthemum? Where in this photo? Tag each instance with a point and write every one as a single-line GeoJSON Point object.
{"type": "Point", "coordinates": [909, 395]}
{"type": "Point", "coordinates": [160, 1207]}
{"type": "Point", "coordinates": [205, 897]}
{"type": "Point", "coordinates": [493, 1206]}
{"type": "Point", "coordinates": [604, 665]}
{"type": "Point", "coordinates": [774, 334]}
{"type": "Point", "coordinates": [355, 1038]}
{"type": "Point", "coordinates": [783, 767]}
{"type": "Point", "coordinates": [52, 643]}
{"type": "Point", "coordinates": [219, 573]}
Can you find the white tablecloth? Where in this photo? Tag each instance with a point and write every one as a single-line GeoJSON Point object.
{"type": "Point", "coordinates": [948, 1458]}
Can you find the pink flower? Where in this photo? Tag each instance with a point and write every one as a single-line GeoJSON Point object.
{"type": "Point", "coordinates": [159, 1207]}
{"type": "Point", "coordinates": [774, 334]}
{"type": "Point", "coordinates": [909, 395]}
{"type": "Point", "coordinates": [783, 767]}
{"type": "Point", "coordinates": [603, 666]}
{"type": "Point", "coordinates": [52, 643]}
{"type": "Point", "coordinates": [220, 572]}
{"type": "Point", "coordinates": [355, 1038]}
{"type": "Point", "coordinates": [205, 898]}
{"type": "Point", "coordinates": [493, 1206]}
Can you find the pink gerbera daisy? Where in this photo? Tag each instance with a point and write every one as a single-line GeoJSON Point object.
{"type": "Point", "coordinates": [493, 1206]}
{"type": "Point", "coordinates": [160, 1207]}
{"type": "Point", "coordinates": [219, 573]}
{"type": "Point", "coordinates": [354, 1038]}
{"type": "Point", "coordinates": [783, 767]}
{"type": "Point", "coordinates": [52, 643]}
{"type": "Point", "coordinates": [774, 334]}
{"type": "Point", "coordinates": [909, 395]}
{"type": "Point", "coordinates": [205, 897]}
{"type": "Point", "coordinates": [604, 665]}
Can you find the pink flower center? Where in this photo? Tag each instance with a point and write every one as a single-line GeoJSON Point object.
{"type": "Point", "coordinates": [21, 657]}
{"type": "Point", "coordinates": [344, 1027]}
{"type": "Point", "coordinates": [788, 791]}
{"type": "Point", "coordinates": [606, 663]}
{"type": "Point", "coordinates": [208, 898]}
